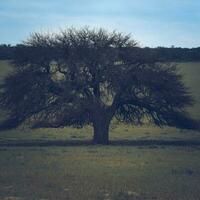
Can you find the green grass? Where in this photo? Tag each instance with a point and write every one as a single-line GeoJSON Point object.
{"type": "Point", "coordinates": [5, 69]}
{"type": "Point", "coordinates": [191, 77]}
{"type": "Point", "coordinates": [116, 172]}
{"type": "Point", "coordinates": [117, 132]}
{"type": "Point", "coordinates": [99, 172]}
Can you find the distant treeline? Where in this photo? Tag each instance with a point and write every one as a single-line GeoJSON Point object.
{"type": "Point", "coordinates": [6, 52]}
{"type": "Point", "coordinates": [173, 54]}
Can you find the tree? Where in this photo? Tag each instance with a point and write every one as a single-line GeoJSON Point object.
{"type": "Point", "coordinates": [6, 51]}
{"type": "Point", "coordinates": [79, 77]}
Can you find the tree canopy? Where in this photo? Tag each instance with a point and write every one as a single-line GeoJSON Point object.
{"type": "Point", "coordinates": [163, 54]}
{"type": "Point", "coordinates": [79, 77]}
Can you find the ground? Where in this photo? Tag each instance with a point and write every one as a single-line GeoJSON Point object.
{"type": "Point", "coordinates": [141, 162]}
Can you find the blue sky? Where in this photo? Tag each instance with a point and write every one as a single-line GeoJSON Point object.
{"type": "Point", "coordinates": [151, 22]}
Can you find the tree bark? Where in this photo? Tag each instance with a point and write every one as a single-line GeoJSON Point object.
{"type": "Point", "coordinates": [101, 132]}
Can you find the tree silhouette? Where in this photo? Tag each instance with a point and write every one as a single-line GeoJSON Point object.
{"type": "Point", "coordinates": [79, 77]}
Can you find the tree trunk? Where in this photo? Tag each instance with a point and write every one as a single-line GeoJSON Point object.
{"type": "Point", "coordinates": [101, 131]}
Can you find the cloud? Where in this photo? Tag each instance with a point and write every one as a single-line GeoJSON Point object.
{"type": "Point", "coordinates": [152, 23]}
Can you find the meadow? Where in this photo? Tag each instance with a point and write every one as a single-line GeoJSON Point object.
{"type": "Point", "coordinates": [141, 163]}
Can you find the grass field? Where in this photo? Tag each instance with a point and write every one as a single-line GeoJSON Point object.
{"type": "Point", "coordinates": [61, 164]}
{"type": "Point", "coordinates": [191, 77]}
{"type": "Point", "coordinates": [5, 68]}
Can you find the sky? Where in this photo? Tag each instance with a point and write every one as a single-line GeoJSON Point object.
{"type": "Point", "coordinates": [151, 23]}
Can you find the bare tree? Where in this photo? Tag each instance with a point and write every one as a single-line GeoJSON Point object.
{"type": "Point", "coordinates": [79, 77]}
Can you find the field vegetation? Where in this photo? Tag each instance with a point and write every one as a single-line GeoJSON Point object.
{"type": "Point", "coordinates": [141, 163]}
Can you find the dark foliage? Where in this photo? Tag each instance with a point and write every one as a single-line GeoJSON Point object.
{"type": "Point", "coordinates": [174, 54]}
{"type": "Point", "coordinates": [163, 54]}
{"type": "Point", "coordinates": [85, 76]}
{"type": "Point", "coordinates": [6, 52]}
